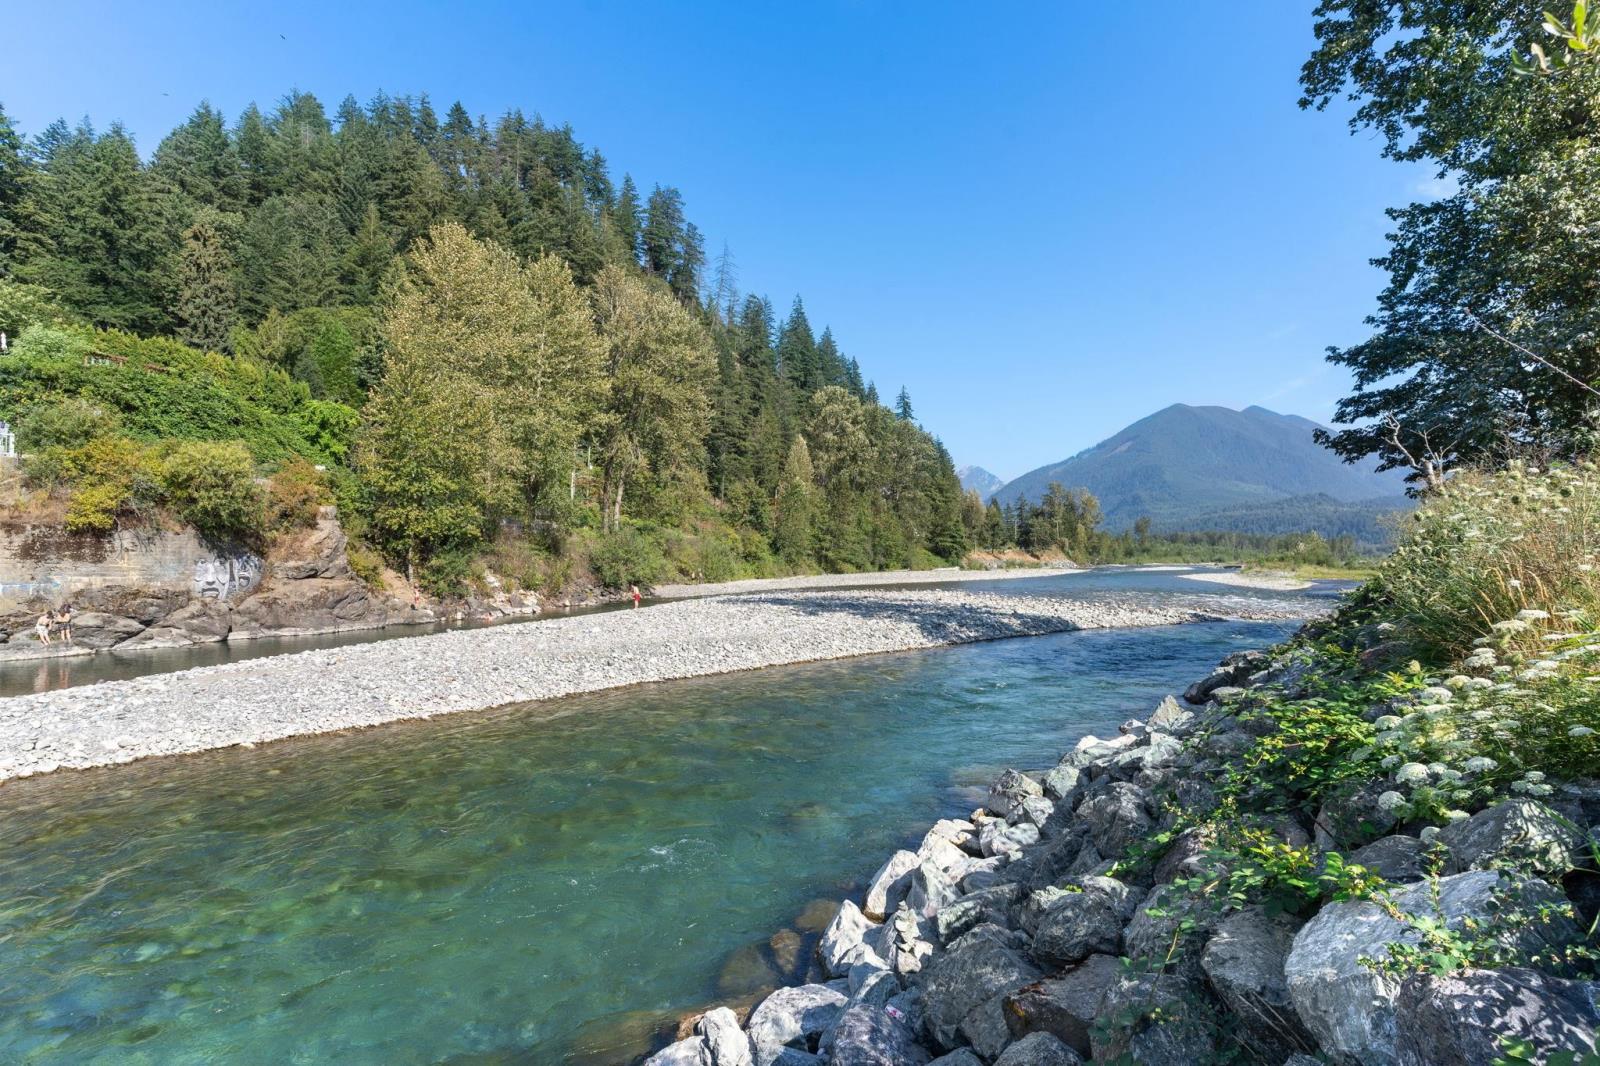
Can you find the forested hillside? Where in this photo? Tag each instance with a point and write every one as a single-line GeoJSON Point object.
{"type": "Point", "coordinates": [494, 351]}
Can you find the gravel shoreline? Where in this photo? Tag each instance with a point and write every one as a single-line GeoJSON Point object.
{"type": "Point", "coordinates": [332, 689]}
{"type": "Point", "coordinates": [941, 576]}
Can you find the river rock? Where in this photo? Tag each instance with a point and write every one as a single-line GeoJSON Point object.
{"type": "Point", "coordinates": [889, 885]}
{"type": "Point", "coordinates": [1061, 784]}
{"type": "Point", "coordinates": [1169, 717]}
{"type": "Point", "coordinates": [1517, 833]}
{"type": "Point", "coordinates": [1038, 1049]}
{"type": "Point", "coordinates": [1162, 1020]}
{"type": "Point", "coordinates": [868, 1035]}
{"type": "Point", "coordinates": [846, 932]}
{"type": "Point", "coordinates": [94, 629]}
{"type": "Point", "coordinates": [1065, 1007]}
{"type": "Point", "coordinates": [1032, 810]}
{"type": "Point", "coordinates": [691, 1051]}
{"type": "Point", "coordinates": [1008, 790]}
{"type": "Point", "coordinates": [1156, 931]}
{"type": "Point", "coordinates": [964, 989]}
{"type": "Point", "coordinates": [1347, 1006]}
{"type": "Point", "coordinates": [1354, 820]}
{"type": "Point", "coordinates": [200, 622]}
{"type": "Point", "coordinates": [1077, 925]}
{"type": "Point", "coordinates": [998, 838]}
{"type": "Point", "coordinates": [958, 1057]}
{"type": "Point", "coordinates": [311, 604]}
{"type": "Point", "coordinates": [315, 552]}
{"type": "Point", "coordinates": [1117, 818]}
{"type": "Point", "coordinates": [1467, 1016]}
{"type": "Point", "coordinates": [1185, 858]}
{"type": "Point", "coordinates": [726, 1043]}
{"type": "Point", "coordinates": [1396, 858]}
{"type": "Point", "coordinates": [943, 854]}
{"type": "Point", "coordinates": [791, 1017]}
{"type": "Point", "coordinates": [1244, 960]}
{"type": "Point", "coordinates": [905, 940]}
{"type": "Point", "coordinates": [931, 891]}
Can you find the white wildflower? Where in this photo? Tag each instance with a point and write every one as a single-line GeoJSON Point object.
{"type": "Point", "coordinates": [1580, 731]}
{"type": "Point", "coordinates": [1429, 834]}
{"type": "Point", "coordinates": [1391, 801]}
{"type": "Point", "coordinates": [1479, 764]}
{"type": "Point", "coordinates": [1412, 773]}
{"type": "Point", "coordinates": [1531, 615]}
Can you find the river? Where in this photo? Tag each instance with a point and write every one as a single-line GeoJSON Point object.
{"type": "Point", "coordinates": [531, 884]}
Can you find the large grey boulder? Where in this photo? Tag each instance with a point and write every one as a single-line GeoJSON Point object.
{"type": "Point", "coordinates": [905, 940]}
{"type": "Point", "coordinates": [792, 1017]}
{"type": "Point", "coordinates": [1157, 933]}
{"type": "Point", "coordinates": [1169, 717]}
{"type": "Point", "coordinates": [1117, 818]}
{"type": "Point", "coordinates": [199, 622]}
{"type": "Point", "coordinates": [1039, 1049]}
{"type": "Point", "coordinates": [1396, 858]}
{"type": "Point", "coordinates": [867, 1035]}
{"type": "Point", "coordinates": [1008, 790]}
{"type": "Point", "coordinates": [999, 838]}
{"type": "Point", "coordinates": [726, 1043]}
{"type": "Point", "coordinates": [1159, 1020]}
{"type": "Point", "coordinates": [1065, 1007]}
{"type": "Point", "coordinates": [931, 891]}
{"type": "Point", "coordinates": [992, 905]}
{"type": "Point", "coordinates": [943, 852]}
{"type": "Point", "coordinates": [964, 988]}
{"type": "Point", "coordinates": [1467, 1016]}
{"type": "Point", "coordinates": [1186, 857]}
{"type": "Point", "coordinates": [1243, 961]}
{"type": "Point", "coordinates": [95, 629]}
{"type": "Point", "coordinates": [889, 884]}
{"type": "Point", "coordinates": [1061, 784]}
{"type": "Point", "coordinates": [1075, 925]}
{"type": "Point", "coordinates": [312, 604]}
{"type": "Point", "coordinates": [1517, 833]}
{"type": "Point", "coordinates": [847, 930]}
{"type": "Point", "coordinates": [315, 552]}
{"type": "Point", "coordinates": [1348, 1006]}
{"type": "Point", "coordinates": [958, 831]}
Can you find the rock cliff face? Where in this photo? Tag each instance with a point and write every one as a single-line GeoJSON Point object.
{"type": "Point", "coordinates": [168, 589]}
{"type": "Point", "coordinates": [1050, 927]}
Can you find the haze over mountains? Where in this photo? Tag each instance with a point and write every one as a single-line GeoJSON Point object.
{"type": "Point", "coordinates": [1213, 468]}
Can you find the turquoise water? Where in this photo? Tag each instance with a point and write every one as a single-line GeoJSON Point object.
{"type": "Point", "coordinates": [535, 884]}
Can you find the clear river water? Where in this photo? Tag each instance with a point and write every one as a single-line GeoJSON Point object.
{"type": "Point", "coordinates": [544, 883]}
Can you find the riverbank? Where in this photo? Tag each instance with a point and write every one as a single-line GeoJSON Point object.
{"type": "Point", "coordinates": [1276, 582]}
{"type": "Point", "coordinates": [335, 689]}
{"type": "Point", "coordinates": [1201, 888]}
{"type": "Point", "coordinates": [941, 576]}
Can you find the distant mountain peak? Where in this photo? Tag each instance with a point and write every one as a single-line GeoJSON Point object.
{"type": "Point", "coordinates": [1210, 467]}
{"type": "Point", "coordinates": [977, 479]}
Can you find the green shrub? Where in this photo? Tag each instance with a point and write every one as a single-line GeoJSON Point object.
{"type": "Point", "coordinates": [212, 486]}
{"type": "Point", "coordinates": [627, 557]}
{"type": "Point", "coordinates": [113, 479]}
{"type": "Point", "coordinates": [1488, 546]}
{"type": "Point", "coordinates": [365, 563]}
{"type": "Point", "coordinates": [294, 495]}
{"type": "Point", "coordinates": [22, 306]}
{"type": "Point", "coordinates": [449, 574]}
{"type": "Point", "coordinates": [67, 422]}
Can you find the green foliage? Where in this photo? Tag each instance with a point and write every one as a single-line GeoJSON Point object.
{"type": "Point", "coordinates": [22, 306]}
{"type": "Point", "coordinates": [68, 422]}
{"type": "Point", "coordinates": [1488, 546]}
{"type": "Point", "coordinates": [212, 486]}
{"type": "Point", "coordinates": [294, 495]}
{"type": "Point", "coordinates": [626, 557]}
{"type": "Point", "coordinates": [114, 479]}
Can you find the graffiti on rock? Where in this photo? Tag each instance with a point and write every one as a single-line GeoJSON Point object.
{"type": "Point", "coordinates": [224, 576]}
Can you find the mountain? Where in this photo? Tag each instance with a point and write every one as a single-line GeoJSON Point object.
{"type": "Point", "coordinates": [1255, 470]}
{"type": "Point", "coordinates": [977, 479]}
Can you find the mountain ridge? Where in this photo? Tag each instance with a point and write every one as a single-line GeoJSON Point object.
{"type": "Point", "coordinates": [977, 479]}
{"type": "Point", "coordinates": [1189, 467]}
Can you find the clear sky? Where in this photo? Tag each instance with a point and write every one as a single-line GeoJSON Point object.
{"type": "Point", "coordinates": [1045, 219]}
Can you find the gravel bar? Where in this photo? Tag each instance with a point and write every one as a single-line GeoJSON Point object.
{"type": "Point", "coordinates": [942, 576]}
{"type": "Point", "coordinates": [331, 689]}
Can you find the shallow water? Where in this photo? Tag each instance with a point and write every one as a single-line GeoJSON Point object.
{"type": "Point", "coordinates": [525, 885]}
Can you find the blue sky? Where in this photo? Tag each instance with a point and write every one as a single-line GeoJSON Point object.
{"type": "Point", "coordinates": [1045, 219]}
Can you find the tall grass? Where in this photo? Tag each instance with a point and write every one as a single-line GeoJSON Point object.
{"type": "Point", "coordinates": [1488, 546]}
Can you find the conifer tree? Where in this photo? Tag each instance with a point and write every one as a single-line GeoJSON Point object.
{"type": "Point", "coordinates": [205, 300]}
{"type": "Point", "coordinates": [792, 534]}
{"type": "Point", "coordinates": [902, 405]}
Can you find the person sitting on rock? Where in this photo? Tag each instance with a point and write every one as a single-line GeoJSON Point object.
{"type": "Point", "coordinates": [64, 622]}
{"type": "Point", "coordinates": [42, 627]}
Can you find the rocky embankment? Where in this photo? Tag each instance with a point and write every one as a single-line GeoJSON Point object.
{"type": "Point", "coordinates": [306, 586]}
{"type": "Point", "coordinates": [341, 688]}
{"type": "Point", "coordinates": [1042, 930]}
